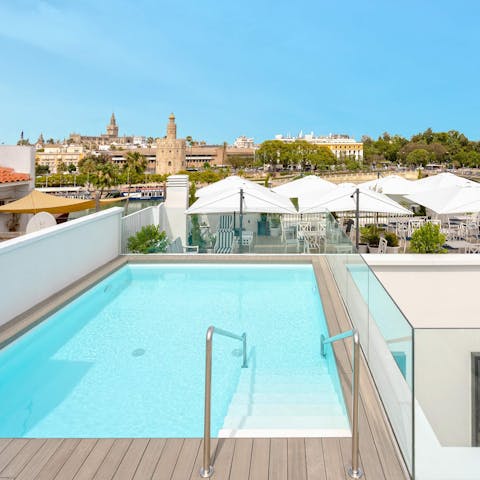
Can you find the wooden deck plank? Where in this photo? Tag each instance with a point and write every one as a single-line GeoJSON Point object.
{"type": "Point", "coordinates": [333, 459]}
{"type": "Point", "coordinates": [150, 458]}
{"type": "Point", "coordinates": [4, 443]}
{"type": "Point", "coordinates": [168, 459]}
{"type": "Point", "coordinates": [186, 459]}
{"type": "Point", "coordinates": [128, 465]}
{"type": "Point", "coordinates": [223, 458]}
{"type": "Point", "coordinates": [241, 459]}
{"type": "Point", "coordinates": [94, 459]}
{"type": "Point", "coordinates": [10, 451]}
{"type": "Point", "coordinates": [40, 459]}
{"type": "Point", "coordinates": [21, 459]}
{"type": "Point", "coordinates": [113, 459]}
{"type": "Point", "coordinates": [314, 459]}
{"type": "Point", "coordinates": [297, 469]}
{"type": "Point", "coordinates": [195, 475]}
{"type": "Point", "coordinates": [76, 459]}
{"type": "Point", "coordinates": [260, 460]}
{"type": "Point", "coordinates": [55, 463]}
{"type": "Point", "coordinates": [346, 451]}
{"type": "Point", "coordinates": [278, 466]}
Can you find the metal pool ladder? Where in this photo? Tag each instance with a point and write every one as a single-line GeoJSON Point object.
{"type": "Point", "coordinates": [354, 471]}
{"type": "Point", "coordinates": [207, 469]}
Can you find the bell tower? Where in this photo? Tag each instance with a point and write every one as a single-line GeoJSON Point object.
{"type": "Point", "coordinates": [112, 128]}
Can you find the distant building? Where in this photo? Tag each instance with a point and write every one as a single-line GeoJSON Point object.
{"type": "Point", "coordinates": [341, 145]}
{"type": "Point", "coordinates": [108, 138]}
{"type": "Point", "coordinates": [53, 155]}
{"type": "Point", "coordinates": [170, 155]}
{"type": "Point", "coordinates": [244, 142]}
{"type": "Point", "coordinates": [118, 157]}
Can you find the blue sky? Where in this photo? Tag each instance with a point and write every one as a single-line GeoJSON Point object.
{"type": "Point", "coordinates": [253, 68]}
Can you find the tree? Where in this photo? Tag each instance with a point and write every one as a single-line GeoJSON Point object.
{"type": "Point", "coordinates": [135, 165]}
{"type": "Point", "coordinates": [42, 169]}
{"type": "Point", "coordinates": [428, 239]}
{"type": "Point", "coordinates": [61, 167]}
{"type": "Point", "coordinates": [418, 157]}
{"type": "Point", "coordinates": [101, 173]}
{"type": "Point", "coordinates": [71, 168]}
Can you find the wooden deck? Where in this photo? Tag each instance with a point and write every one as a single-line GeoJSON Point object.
{"type": "Point", "coordinates": [234, 459]}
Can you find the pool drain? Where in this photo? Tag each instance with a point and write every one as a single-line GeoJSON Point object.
{"type": "Point", "coordinates": [138, 352]}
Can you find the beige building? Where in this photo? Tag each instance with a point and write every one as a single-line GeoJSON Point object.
{"type": "Point", "coordinates": [170, 150]}
{"type": "Point", "coordinates": [53, 155]}
{"type": "Point", "coordinates": [342, 146]}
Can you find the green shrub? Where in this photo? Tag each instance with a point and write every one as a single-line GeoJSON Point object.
{"type": "Point", "coordinates": [148, 240]}
{"type": "Point", "coordinates": [370, 234]}
{"type": "Point", "coordinates": [392, 239]}
{"type": "Point", "coordinates": [427, 239]}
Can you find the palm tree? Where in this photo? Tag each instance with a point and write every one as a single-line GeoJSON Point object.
{"type": "Point", "coordinates": [101, 173]}
{"type": "Point", "coordinates": [135, 165]}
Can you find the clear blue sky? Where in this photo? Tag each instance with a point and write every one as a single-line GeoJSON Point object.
{"type": "Point", "coordinates": [230, 68]}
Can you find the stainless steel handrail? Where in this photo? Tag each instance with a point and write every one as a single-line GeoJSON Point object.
{"type": "Point", "coordinates": [207, 469]}
{"type": "Point", "coordinates": [354, 471]}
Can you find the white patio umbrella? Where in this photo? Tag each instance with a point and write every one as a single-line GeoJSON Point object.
{"type": "Point", "coordinates": [442, 180]}
{"type": "Point", "coordinates": [452, 200]}
{"type": "Point", "coordinates": [310, 184]}
{"type": "Point", "coordinates": [228, 183]}
{"type": "Point", "coordinates": [390, 185]}
{"type": "Point", "coordinates": [343, 199]}
{"type": "Point", "coordinates": [254, 201]}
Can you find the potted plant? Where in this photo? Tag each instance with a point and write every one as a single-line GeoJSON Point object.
{"type": "Point", "coordinates": [370, 234]}
{"type": "Point", "coordinates": [392, 242]}
{"type": "Point", "coordinates": [275, 225]}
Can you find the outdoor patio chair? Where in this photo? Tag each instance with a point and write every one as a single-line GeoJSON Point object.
{"type": "Point", "coordinates": [225, 222]}
{"type": "Point", "coordinates": [177, 247]}
{"type": "Point", "coordinates": [224, 241]}
{"type": "Point", "coordinates": [472, 248]}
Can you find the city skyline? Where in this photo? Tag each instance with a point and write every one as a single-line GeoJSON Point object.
{"type": "Point", "coordinates": [227, 70]}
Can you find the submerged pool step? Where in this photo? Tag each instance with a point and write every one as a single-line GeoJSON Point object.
{"type": "Point", "coordinates": [281, 422]}
{"type": "Point", "coordinates": [291, 397]}
{"type": "Point", "coordinates": [285, 409]}
{"type": "Point", "coordinates": [290, 404]}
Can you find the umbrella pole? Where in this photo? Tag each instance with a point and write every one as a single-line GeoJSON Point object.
{"type": "Point", "coordinates": [241, 221]}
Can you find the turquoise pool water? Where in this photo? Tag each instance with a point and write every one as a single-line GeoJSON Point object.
{"type": "Point", "coordinates": [126, 359]}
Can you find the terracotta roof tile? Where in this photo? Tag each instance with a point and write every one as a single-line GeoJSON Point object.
{"type": "Point", "coordinates": [9, 175]}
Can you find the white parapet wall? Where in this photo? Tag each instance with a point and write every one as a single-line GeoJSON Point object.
{"type": "Point", "coordinates": [35, 266]}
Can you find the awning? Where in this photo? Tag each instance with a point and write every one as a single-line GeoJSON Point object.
{"type": "Point", "coordinates": [37, 201]}
{"type": "Point", "coordinates": [309, 185]}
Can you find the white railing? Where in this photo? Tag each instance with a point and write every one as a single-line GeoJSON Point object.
{"type": "Point", "coordinates": [133, 223]}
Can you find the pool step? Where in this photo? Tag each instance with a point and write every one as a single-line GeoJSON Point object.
{"type": "Point", "coordinates": [293, 404]}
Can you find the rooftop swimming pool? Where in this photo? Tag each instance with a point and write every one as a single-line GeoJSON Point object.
{"type": "Point", "coordinates": [126, 358]}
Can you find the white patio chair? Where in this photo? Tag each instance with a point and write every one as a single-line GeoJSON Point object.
{"type": "Point", "coordinates": [382, 245]}
{"type": "Point", "coordinates": [472, 248]}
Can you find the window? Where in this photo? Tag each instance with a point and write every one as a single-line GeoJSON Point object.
{"type": "Point", "coordinates": [475, 399]}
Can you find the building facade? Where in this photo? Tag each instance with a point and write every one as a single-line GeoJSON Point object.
{"type": "Point", "coordinates": [170, 155]}
{"type": "Point", "coordinates": [53, 156]}
{"type": "Point", "coordinates": [342, 146]}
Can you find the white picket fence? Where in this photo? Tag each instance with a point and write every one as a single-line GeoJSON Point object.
{"type": "Point", "coordinates": [133, 223]}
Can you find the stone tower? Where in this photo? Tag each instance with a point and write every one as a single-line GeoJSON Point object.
{"type": "Point", "coordinates": [170, 150]}
{"type": "Point", "coordinates": [112, 128]}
